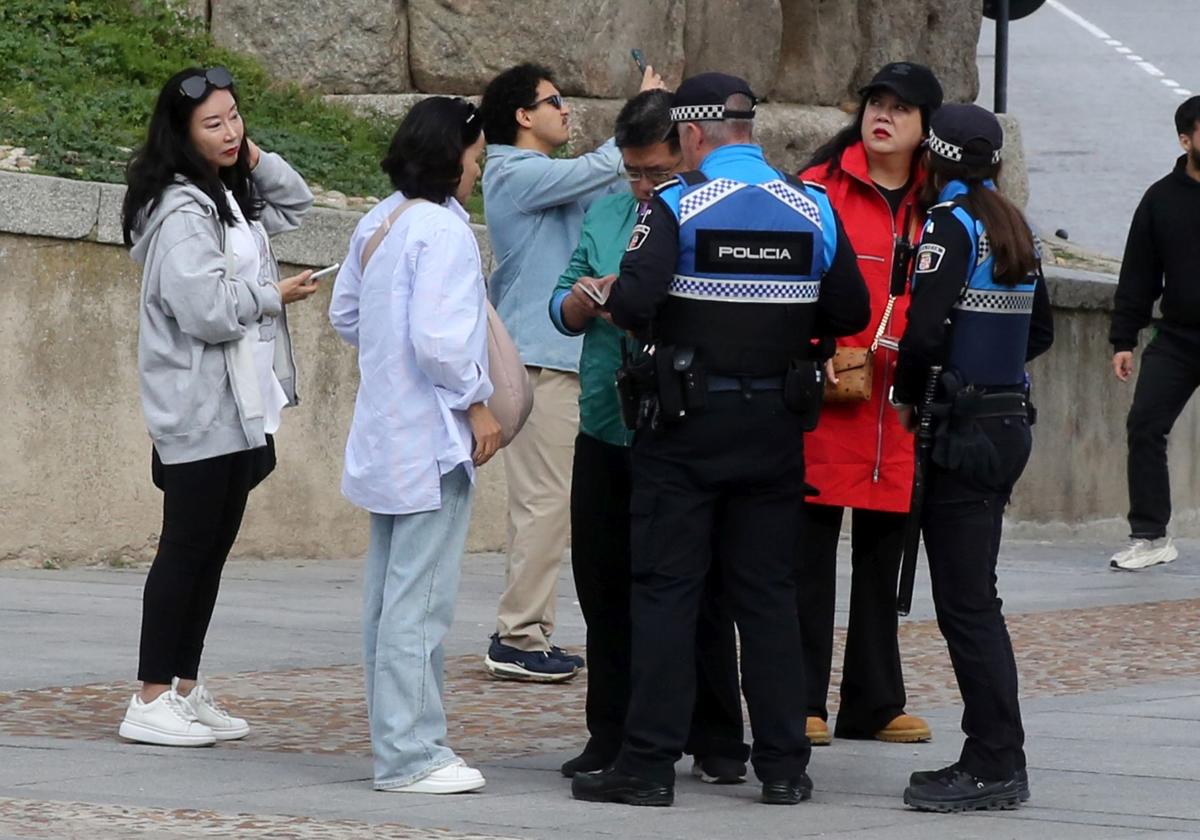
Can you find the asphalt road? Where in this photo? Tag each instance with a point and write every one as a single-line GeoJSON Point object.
{"type": "Point", "coordinates": [1088, 80]}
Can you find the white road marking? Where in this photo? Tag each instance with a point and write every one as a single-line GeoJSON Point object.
{"type": "Point", "coordinates": [1150, 69]}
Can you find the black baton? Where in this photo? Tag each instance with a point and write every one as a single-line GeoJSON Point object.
{"type": "Point", "coordinates": [912, 527]}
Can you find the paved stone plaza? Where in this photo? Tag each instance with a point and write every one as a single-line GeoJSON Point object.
{"type": "Point", "coordinates": [1110, 667]}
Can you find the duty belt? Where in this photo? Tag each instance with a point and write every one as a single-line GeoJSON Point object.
{"type": "Point", "coordinates": [976, 405]}
{"type": "Point", "coordinates": [718, 383]}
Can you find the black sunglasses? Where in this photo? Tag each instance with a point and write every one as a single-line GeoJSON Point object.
{"type": "Point", "coordinates": [194, 87]}
{"type": "Point", "coordinates": [556, 100]}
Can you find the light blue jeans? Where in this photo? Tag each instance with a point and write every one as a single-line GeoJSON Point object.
{"type": "Point", "coordinates": [409, 588]}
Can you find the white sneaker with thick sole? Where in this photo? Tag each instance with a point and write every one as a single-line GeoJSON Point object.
{"type": "Point", "coordinates": [167, 720]}
{"type": "Point", "coordinates": [224, 726]}
{"type": "Point", "coordinates": [456, 778]}
{"type": "Point", "coordinates": [1141, 554]}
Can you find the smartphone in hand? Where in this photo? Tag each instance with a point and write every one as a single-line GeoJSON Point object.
{"type": "Point", "coordinates": [317, 275]}
{"type": "Point", "coordinates": [638, 59]}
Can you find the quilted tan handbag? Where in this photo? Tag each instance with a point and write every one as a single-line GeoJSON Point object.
{"type": "Point", "coordinates": [855, 366]}
{"type": "Point", "coordinates": [512, 393]}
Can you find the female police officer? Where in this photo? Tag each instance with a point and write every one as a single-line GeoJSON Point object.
{"type": "Point", "coordinates": [979, 312]}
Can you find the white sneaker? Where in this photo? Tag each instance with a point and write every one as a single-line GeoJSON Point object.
{"type": "Point", "coordinates": [1144, 553]}
{"type": "Point", "coordinates": [224, 726]}
{"type": "Point", "coordinates": [167, 720]}
{"type": "Point", "coordinates": [456, 778]}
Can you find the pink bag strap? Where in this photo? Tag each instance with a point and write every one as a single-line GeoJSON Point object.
{"type": "Point", "coordinates": [377, 237]}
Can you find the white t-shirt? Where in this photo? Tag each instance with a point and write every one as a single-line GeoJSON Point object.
{"type": "Point", "coordinates": [251, 258]}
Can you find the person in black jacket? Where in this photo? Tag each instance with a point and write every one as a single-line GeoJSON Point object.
{"type": "Point", "coordinates": [1162, 259]}
{"type": "Point", "coordinates": [979, 312]}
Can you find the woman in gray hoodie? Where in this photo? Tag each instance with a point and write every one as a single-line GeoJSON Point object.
{"type": "Point", "coordinates": [216, 370]}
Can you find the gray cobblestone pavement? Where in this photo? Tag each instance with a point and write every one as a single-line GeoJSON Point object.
{"type": "Point", "coordinates": [1110, 667]}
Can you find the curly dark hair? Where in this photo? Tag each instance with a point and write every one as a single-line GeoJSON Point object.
{"type": "Point", "coordinates": [168, 151]}
{"type": "Point", "coordinates": [515, 88]}
{"type": "Point", "coordinates": [424, 159]}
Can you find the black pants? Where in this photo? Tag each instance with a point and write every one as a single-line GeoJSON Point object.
{"type": "Point", "coordinates": [600, 490]}
{"type": "Point", "coordinates": [961, 525]}
{"type": "Point", "coordinates": [724, 487]}
{"type": "Point", "coordinates": [872, 689]}
{"type": "Point", "coordinates": [1170, 374]}
{"type": "Point", "coordinates": [203, 502]}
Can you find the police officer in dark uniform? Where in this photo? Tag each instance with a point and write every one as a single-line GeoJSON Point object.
{"type": "Point", "coordinates": [730, 273]}
{"type": "Point", "coordinates": [979, 312]}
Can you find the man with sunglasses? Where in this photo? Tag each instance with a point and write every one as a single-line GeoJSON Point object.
{"type": "Point", "coordinates": [534, 205]}
{"type": "Point", "coordinates": [600, 481]}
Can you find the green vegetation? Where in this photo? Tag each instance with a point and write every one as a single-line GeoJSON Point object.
{"type": "Point", "coordinates": [78, 80]}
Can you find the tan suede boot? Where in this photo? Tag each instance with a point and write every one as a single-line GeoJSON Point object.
{"type": "Point", "coordinates": [904, 729]}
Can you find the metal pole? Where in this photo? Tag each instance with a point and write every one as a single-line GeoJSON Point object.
{"type": "Point", "coordinates": [1000, 104]}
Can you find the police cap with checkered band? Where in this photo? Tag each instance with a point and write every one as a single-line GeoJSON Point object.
{"type": "Point", "coordinates": [966, 134]}
{"type": "Point", "coordinates": [702, 98]}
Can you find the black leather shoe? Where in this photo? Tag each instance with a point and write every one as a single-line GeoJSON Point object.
{"type": "Point", "coordinates": [961, 791]}
{"type": "Point", "coordinates": [788, 791]}
{"type": "Point", "coordinates": [923, 776]}
{"type": "Point", "coordinates": [585, 762]}
{"type": "Point", "coordinates": [613, 786]}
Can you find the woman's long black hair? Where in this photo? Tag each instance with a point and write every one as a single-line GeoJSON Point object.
{"type": "Point", "coordinates": [1011, 240]}
{"type": "Point", "coordinates": [168, 152]}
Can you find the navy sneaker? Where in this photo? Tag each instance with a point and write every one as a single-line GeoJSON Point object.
{"type": "Point", "coordinates": [921, 777]}
{"type": "Point", "coordinates": [719, 770]}
{"type": "Point", "coordinates": [962, 791]}
{"type": "Point", "coordinates": [505, 662]}
{"type": "Point", "coordinates": [576, 661]}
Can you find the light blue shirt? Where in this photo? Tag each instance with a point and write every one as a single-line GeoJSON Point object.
{"type": "Point", "coordinates": [534, 206]}
{"type": "Point", "coordinates": [418, 317]}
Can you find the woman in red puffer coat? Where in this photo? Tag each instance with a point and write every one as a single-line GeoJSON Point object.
{"type": "Point", "coordinates": [859, 457]}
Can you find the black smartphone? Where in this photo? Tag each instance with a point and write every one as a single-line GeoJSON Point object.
{"type": "Point", "coordinates": [639, 59]}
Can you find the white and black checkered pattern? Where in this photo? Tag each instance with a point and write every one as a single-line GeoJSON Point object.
{"type": "Point", "coordinates": [697, 113]}
{"type": "Point", "coordinates": [795, 199]}
{"type": "Point", "coordinates": [983, 249]}
{"type": "Point", "coordinates": [708, 195]}
{"type": "Point", "coordinates": [949, 151]}
{"type": "Point", "coordinates": [996, 302]}
{"type": "Point", "coordinates": [744, 291]}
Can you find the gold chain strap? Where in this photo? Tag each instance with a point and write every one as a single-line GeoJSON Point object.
{"type": "Point", "coordinates": [887, 316]}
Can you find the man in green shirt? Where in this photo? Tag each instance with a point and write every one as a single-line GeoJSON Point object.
{"type": "Point", "coordinates": [600, 481]}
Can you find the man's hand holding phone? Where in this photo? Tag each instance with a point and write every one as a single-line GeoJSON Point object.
{"type": "Point", "coordinates": [586, 301]}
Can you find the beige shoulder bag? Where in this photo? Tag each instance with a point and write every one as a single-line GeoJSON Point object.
{"type": "Point", "coordinates": [512, 395]}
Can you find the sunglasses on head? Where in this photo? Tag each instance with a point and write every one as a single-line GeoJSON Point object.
{"type": "Point", "coordinates": [194, 87]}
{"type": "Point", "coordinates": [556, 101]}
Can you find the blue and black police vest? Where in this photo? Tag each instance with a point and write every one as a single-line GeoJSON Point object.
{"type": "Point", "coordinates": [989, 325]}
{"type": "Point", "coordinates": [748, 276]}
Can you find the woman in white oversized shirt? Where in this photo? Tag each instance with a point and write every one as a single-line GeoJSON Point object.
{"type": "Point", "coordinates": [416, 312]}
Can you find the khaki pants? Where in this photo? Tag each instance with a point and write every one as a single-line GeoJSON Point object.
{"type": "Point", "coordinates": [538, 467]}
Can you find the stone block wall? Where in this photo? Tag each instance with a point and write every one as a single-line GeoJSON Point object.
{"type": "Point", "coordinates": [75, 456]}
{"type": "Point", "coordinates": [812, 52]}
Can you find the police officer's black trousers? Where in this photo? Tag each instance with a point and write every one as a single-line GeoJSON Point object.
{"type": "Point", "coordinates": [724, 487]}
{"type": "Point", "coordinates": [961, 525]}
{"type": "Point", "coordinates": [872, 685]}
{"type": "Point", "coordinates": [1169, 376]}
{"type": "Point", "coordinates": [600, 491]}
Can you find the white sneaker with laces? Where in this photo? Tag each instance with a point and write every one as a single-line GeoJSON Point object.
{"type": "Point", "coordinates": [1141, 554]}
{"type": "Point", "coordinates": [455, 778]}
{"type": "Point", "coordinates": [224, 726]}
{"type": "Point", "coordinates": [167, 720]}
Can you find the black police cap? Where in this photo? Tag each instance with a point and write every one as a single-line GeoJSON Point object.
{"type": "Point", "coordinates": [912, 82]}
{"type": "Point", "coordinates": [966, 134]}
{"type": "Point", "coordinates": [702, 98]}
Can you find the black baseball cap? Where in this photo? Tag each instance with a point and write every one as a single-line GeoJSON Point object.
{"type": "Point", "coordinates": [910, 81]}
{"type": "Point", "coordinates": [966, 134]}
{"type": "Point", "coordinates": [701, 98]}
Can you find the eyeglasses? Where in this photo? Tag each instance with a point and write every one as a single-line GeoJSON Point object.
{"type": "Point", "coordinates": [654, 176]}
{"type": "Point", "coordinates": [556, 101]}
{"type": "Point", "coordinates": [194, 87]}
